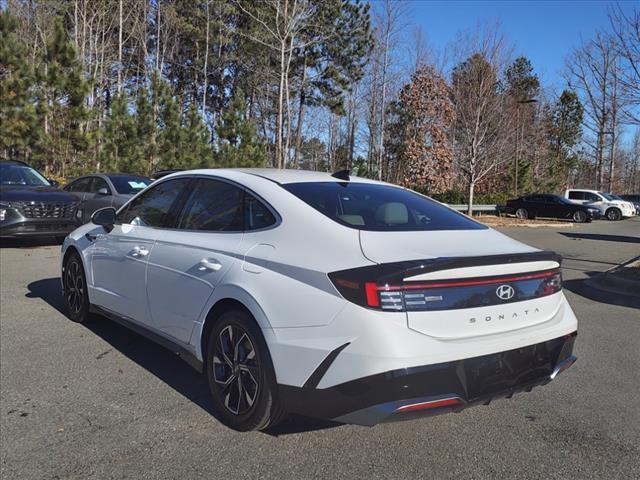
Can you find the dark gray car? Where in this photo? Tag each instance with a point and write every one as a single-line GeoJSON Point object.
{"type": "Point", "coordinates": [105, 190]}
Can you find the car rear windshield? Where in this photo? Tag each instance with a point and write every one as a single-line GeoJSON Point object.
{"type": "Point", "coordinates": [379, 208]}
{"type": "Point", "coordinates": [129, 185]}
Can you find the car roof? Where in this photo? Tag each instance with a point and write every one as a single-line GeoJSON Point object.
{"type": "Point", "coordinates": [280, 176]}
{"type": "Point", "coordinates": [110, 175]}
{"type": "Point", "coordinates": [16, 162]}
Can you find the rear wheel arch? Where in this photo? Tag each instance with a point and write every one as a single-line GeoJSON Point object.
{"type": "Point", "coordinates": [216, 310]}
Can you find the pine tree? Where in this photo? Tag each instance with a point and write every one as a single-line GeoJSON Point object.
{"type": "Point", "coordinates": [63, 90]}
{"type": "Point", "coordinates": [196, 150]}
{"type": "Point", "coordinates": [121, 148]}
{"type": "Point", "coordinates": [564, 133]}
{"type": "Point", "coordinates": [239, 144]}
{"type": "Point", "coordinates": [20, 131]}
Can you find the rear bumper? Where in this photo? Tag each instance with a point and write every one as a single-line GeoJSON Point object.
{"type": "Point", "coordinates": [432, 389]}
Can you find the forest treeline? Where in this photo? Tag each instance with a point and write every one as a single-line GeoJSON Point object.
{"type": "Point", "coordinates": [142, 85]}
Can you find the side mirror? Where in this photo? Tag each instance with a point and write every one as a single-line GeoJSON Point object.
{"type": "Point", "coordinates": [105, 217]}
{"type": "Point", "coordinates": [54, 183]}
{"type": "Point", "coordinates": [103, 191]}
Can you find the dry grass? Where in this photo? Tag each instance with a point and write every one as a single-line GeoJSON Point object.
{"type": "Point", "coordinates": [495, 221]}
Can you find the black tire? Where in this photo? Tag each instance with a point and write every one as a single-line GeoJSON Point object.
{"type": "Point", "coordinates": [76, 296]}
{"type": "Point", "coordinates": [613, 214]}
{"type": "Point", "coordinates": [579, 216]}
{"type": "Point", "coordinates": [522, 213]}
{"type": "Point", "coordinates": [240, 374]}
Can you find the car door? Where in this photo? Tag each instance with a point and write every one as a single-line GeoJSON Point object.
{"type": "Point", "coordinates": [189, 261]}
{"type": "Point", "coordinates": [537, 206]}
{"type": "Point", "coordinates": [553, 207]}
{"type": "Point", "coordinates": [81, 187]}
{"type": "Point", "coordinates": [119, 258]}
{"type": "Point", "coordinates": [99, 196]}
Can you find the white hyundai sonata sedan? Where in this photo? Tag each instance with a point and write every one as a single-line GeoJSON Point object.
{"type": "Point", "coordinates": [323, 295]}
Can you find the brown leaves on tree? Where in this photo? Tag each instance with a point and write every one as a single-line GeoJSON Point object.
{"type": "Point", "coordinates": [425, 114]}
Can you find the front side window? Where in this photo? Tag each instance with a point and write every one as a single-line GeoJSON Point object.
{"type": "Point", "coordinates": [213, 206]}
{"type": "Point", "coordinates": [592, 197]}
{"type": "Point", "coordinates": [80, 185]}
{"type": "Point", "coordinates": [153, 208]}
{"type": "Point", "coordinates": [21, 175]}
{"type": "Point", "coordinates": [377, 207]}
{"type": "Point", "coordinates": [99, 183]}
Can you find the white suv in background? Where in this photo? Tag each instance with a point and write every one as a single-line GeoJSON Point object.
{"type": "Point", "coordinates": [610, 206]}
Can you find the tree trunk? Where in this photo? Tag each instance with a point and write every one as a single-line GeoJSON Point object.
{"type": "Point", "coordinates": [206, 61]}
{"type": "Point", "coordinates": [472, 186]}
{"type": "Point", "coordinates": [280, 106]}
{"type": "Point", "coordinates": [382, 102]}
{"type": "Point", "coordinates": [300, 115]}
{"type": "Point", "coordinates": [120, 45]}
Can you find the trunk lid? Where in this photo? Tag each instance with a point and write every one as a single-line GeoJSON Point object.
{"type": "Point", "coordinates": [456, 285]}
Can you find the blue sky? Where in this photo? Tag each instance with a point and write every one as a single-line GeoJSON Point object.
{"type": "Point", "coordinates": [543, 31]}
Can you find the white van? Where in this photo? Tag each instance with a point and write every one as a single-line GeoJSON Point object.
{"type": "Point", "coordinates": [610, 206]}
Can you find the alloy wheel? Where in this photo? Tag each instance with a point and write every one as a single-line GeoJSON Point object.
{"type": "Point", "coordinates": [613, 214]}
{"type": "Point", "coordinates": [579, 216]}
{"type": "Point", "coordinates": [522, 214]}
{"type": "Point", "coordinates": [74, 287]}
{"type": "Point", "coordinates": [236, 369]}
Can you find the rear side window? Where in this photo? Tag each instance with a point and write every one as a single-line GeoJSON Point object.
{"type": "Point", "coordinates": [153, 208]}
{"type": "Point", "coordinates": [256, 214]}
{"type": "Point", "coordinates": [576, 195]}
{"type": "Point", "coordinates": [379, 207]}
{"type": "Point", "coordinates": [213, 206]}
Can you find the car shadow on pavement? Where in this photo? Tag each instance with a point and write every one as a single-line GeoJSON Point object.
{"type": "Point", "coordinates": [159, 361]}
{"type": "Point", "coordinates": [580, 287]}
{"type": "Point", "coordinates": [601, 237]}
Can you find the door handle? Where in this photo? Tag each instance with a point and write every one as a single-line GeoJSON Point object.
{"type": "Point", "coordinates": [139, 251]}
{"type": "Point", "coordinates": [210, 264]}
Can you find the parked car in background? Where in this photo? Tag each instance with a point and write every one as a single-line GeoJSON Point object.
{"type": "Point", "coordinates": [30, 205]}
{"type": "Point", "coordinates": [633, 198]}
{"type": "Point", "coordinates": [101, 190]}
{"type": "Point", "coordinates": [163, 173]}
{"type": "Point", "coordinates": [610, 206]}
{"type": "Point", "coordinates": [550, 206]}
{"type": "Point", "coordinates": [323, 295]}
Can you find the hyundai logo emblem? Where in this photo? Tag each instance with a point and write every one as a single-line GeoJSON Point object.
{"type": "Point", "coordinates": [505, 292]}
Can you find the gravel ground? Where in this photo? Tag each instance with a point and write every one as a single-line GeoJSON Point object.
{"type": "Point", "coordinates": [100, 402]}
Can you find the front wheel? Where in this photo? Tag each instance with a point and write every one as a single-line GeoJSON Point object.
{"type": "Point", "coordinates": [74, 282]}
{"type": "Point", "coordinates": [240, 374]}
{"type": "Point", "coordinates": [579, 216]}
{"type": "Point", "coordinates": [522, 213]}
{"type": "Point", "coordinates": [614, 214]}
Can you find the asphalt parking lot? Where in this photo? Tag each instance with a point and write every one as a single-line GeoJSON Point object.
{"type": "Point", "coordinates": [97, 401]}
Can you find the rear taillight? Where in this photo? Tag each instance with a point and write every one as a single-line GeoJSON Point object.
{"type": "Point", "coordinates": [385, 290]}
